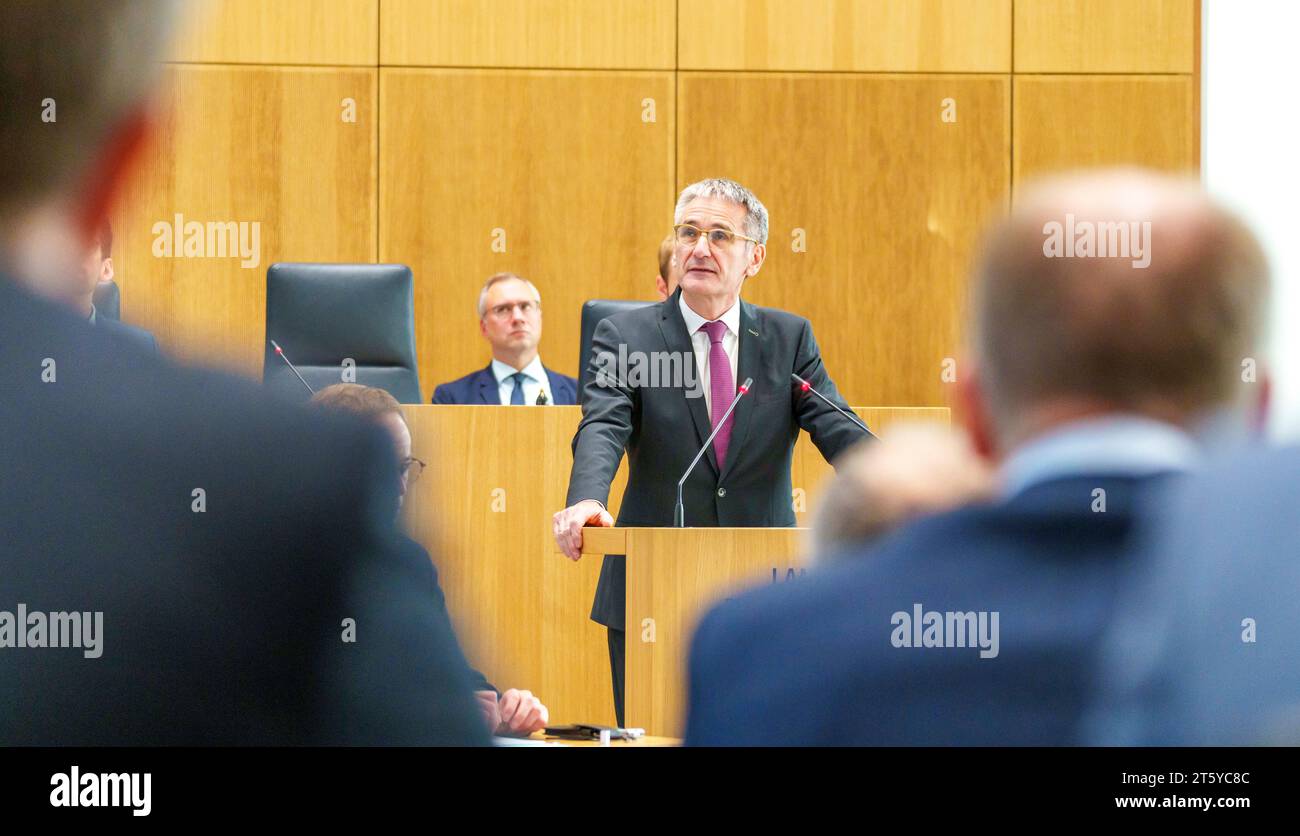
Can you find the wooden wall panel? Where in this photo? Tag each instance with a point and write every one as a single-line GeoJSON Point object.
{"type": "Point", "coordinates": [890, 200]}
{"type": "Point", "coordinates": [1066, 122]}
{"type": "Point", "coordinates": [280, 32]}
{"type": "Point", "coordinates": [1105, 36]}
{"type": "Point", "coordinates": [561, 161]}
{"type": "Point", "coordinates": [249, 144]}
{"type": "Point", "coordinates": [597, 34]}
{"type": "Point", "coordinates": [848, 35]}
{"type": "Point", "coordinates": [483, 509]}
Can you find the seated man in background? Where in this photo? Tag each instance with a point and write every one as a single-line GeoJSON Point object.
{"type": "Point", "coordinates": [76, 289]}
{"type": "Point", "coordinates": [1093, 383]}
{"type": "Point", "coordinates": [513, 712]}
{"type": "Point", "coordinates": [914, 469]}
{"type": "Point", "coordinates": [97, 267]}
{"type": "Point", "coordinates": [669, 272]}
{"type": "Point", "coordinates": [510, 319]}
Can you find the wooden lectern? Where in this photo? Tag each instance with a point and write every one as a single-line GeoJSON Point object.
{"type": "Point", "coordinates": [673, 576]}
{"type": "Point", "coordinates": [483, 510]}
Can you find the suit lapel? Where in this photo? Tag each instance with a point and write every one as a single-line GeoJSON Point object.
{"type": "Point", "coordinates": [749, 364]}
{"type": "Point", "coordinates": [488, 391]}
{"type": "Point", "coordinates": [673, 328]}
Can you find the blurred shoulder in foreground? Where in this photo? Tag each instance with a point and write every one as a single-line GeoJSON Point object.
{"type": "Point", "coordinates": [228, 542]}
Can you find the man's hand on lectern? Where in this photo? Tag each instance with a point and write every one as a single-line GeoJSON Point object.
{"type": "Point", "coordinates": [567, 525]}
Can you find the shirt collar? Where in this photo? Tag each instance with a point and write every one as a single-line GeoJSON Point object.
{"type": "Point", "coordinates": [93, 314]}
{"type": "Point", "coordinates": [693, 320]}
{"type": "Point", "coordinates": [534, 370]}
{"type": "Point", "coordinates": [1126, 445]}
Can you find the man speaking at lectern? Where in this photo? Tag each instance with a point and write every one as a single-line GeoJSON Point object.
{"type": "Point", "coordinates": [716, 340]}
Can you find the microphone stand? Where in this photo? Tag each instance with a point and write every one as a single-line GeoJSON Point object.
{"type": "Point", "coordinates": [808, 387]}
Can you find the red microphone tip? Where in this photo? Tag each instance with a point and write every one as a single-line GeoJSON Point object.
{"type": "Point", "coordinates": [279, 350]}
{"type": "Point", "coordinates": [744, 388]}
{"type": "Point", "coordinates": [805, 386]}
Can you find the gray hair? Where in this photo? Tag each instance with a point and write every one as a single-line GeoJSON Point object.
{"type": "Point", "coordinates": [503, 277]}
{"type": "Point", "coordinates": [755, 211]}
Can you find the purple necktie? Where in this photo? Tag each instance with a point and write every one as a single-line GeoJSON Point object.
{"type": "Point", "coordinates": [722, 387]}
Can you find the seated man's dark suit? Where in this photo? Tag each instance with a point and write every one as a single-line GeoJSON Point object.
{"type": "Point", "coordinates": [423, 565]}
{"type": "Point", "coordinates": [662, 429]}
{"type": "Point", "coordinates": [480, 387]}
{"type": "Point", "coordinates": [230, 543]}
{"type": "Point", "coordinates": [129, 333]}
{"type": "Point", "coordinates": [812, 661]}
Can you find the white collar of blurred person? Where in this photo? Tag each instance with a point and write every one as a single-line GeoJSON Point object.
{"type": "Point", "coordinates": [694, 321]}
{"type": "Point", "coordinates": [1121, 444]}
{"type": "Point", "coordinates": [93, 314]}
{"type": "Point", "coordinates": [534, 370]}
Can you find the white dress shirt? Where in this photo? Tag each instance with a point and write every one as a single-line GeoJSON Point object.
{"type": "Point", "coordinates": [536, 381]}
{"type": "Point", "coordinates": [1120, 445]}
{"type": "Point", "coordinates": [700, 342]}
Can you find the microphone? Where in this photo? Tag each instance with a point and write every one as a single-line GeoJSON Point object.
{"type": "Point", "coordinates": [679, 510]}
{"type": "Point", "coordinates": [280, 351]}
{"type": "Point", "coordinates": [805, 386]}
{"type": "Point", "coordinates": [541, 398]}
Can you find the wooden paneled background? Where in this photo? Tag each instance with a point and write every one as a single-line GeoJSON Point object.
{"type": "Point", "coordinates": [423, 131]}
{"type": "Point", "coordinates": [567, 128]}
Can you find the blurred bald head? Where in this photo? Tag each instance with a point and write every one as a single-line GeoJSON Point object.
{"type": "Point", "coordinates": [1116, 291]}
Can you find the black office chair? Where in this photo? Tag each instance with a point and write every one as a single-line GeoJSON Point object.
{"type": "Point", "coordinates": [593, 311]}
{"type": "Point", "coordinates": [322, 314]}
{"type": "Point", "coordinates": [108, 300]}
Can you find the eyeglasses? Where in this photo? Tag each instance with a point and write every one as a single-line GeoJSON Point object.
{"type": "Point", "coordinates": [410, 470]}
{"type": "Point", "coordinates": [720, 237]}
{"type": "Point", "coordinates": [525, 308]}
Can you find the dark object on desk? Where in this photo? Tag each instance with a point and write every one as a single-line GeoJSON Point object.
{"type": "Point", "coordinates": [585, 731]}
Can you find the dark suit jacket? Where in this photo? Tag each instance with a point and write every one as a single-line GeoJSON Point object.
{"type": "Point", "coordinates": [662, 429]}
{"type": "Point", "coordinates": [481, 387]}
{"type": "Point", "coordinates": [128, 333]}
{"type": "Point", "coordinates": [812, 662]}
{"type": "Point", "coordinates": [422, 564]}
{"type": "Point", "coordinates": [222, 625]}
{"type": "Point", "coordinates": [1203, 649]}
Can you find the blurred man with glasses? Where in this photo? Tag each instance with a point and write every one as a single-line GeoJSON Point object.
{"type": "Point", "coordinates": [513, 712]}
{"type": "Point", "coordinates": [720, 229]}
{"type": "Point", "coordinates": [510, 319]}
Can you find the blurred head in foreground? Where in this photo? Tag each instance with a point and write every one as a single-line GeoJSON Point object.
{"type": "Point", "coordinates": [1122, 291]}
{"type": "Point", "coordinates": [1116, 293]}
{"type": "Point", "coordinates": [74, 81]}
{"type": "Point", "coordinates": [377, 405]}
{"type": "Point", "coordinates": [913, 469]}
